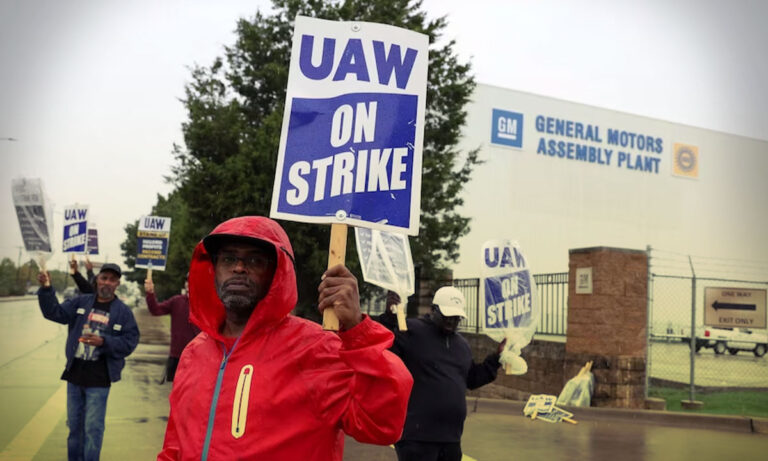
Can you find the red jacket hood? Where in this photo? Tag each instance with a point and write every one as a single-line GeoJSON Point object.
{"type": "Point", "coordinates": [205, 307]}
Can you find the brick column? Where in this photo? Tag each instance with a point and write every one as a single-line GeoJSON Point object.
{"type": "Point", "coordinates": [608, 325]}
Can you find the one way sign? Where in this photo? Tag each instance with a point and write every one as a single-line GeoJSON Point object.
{"type": "Point", "coordinates": [734, 307]}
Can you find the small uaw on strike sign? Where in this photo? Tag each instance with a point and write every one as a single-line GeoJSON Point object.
{"type": "Point", "coordinates": [152, 241]}
{"type": "Point", "coordinates": [351, 142]}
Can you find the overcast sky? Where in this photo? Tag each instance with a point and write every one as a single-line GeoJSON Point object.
{"type": "Point", "coordinates": [90, 89]}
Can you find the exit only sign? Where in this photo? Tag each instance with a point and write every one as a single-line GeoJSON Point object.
{"type": "Point", "coordinates": [734, 307]}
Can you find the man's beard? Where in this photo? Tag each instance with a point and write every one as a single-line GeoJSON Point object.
{"type": "Point", "coordinates": [106, 292]}
{"type": "Point", "coordinates": [240, 304]}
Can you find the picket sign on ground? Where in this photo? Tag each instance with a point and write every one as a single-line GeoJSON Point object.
{"type": "Point", "coordinates": [542, 406]}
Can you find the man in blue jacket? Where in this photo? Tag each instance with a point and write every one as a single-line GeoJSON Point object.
{"type": "Point", "coordinates": [102, 332]}
{"type": "Point", "coordinates": [440, 360]}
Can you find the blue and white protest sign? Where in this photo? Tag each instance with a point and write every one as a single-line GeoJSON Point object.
{"type": "Point", "coordinates": [154, 234]}
{"type": "Point", "coordinates": [351, 142]}
{"type": "Point", "coordinates": [92, 243]}
{"type": "Point", "coordinates": [385, 258]}
{"type": "Point", "coordinates": [75, 229]}
{"type": "Point", "coordinates": [28, 200]}
{"type": "Point", "coordinates": [510, 308]}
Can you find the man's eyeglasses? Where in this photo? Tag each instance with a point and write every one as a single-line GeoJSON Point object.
{"type": "Point", "coordinates": [254, 262]}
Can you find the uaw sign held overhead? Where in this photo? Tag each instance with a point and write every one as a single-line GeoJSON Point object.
{"type": "Point", "coordinates": [508, 286]}
{"type": "Point", "coordinates": [75, 229]}
{"type": "Point", "coordinates": [385, 259]}
{"type": "Point", "coordinates": [93, 241]}
{"type": "Point", "coordinates": [154, 233]}
{"type": "Point", "coordinates": [30, 209]}
{"type": "Point", "coordinates": [510, 309]}
{"type": "Point", "coordinates": [351, 143]}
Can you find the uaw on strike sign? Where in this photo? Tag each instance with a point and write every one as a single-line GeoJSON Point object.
{"type": "Point", "coordinates": [350, 148]}
{"type": "Point", "coordinates": [28, 199]}
{"type": "Point", "coordinates": [75, 229]}
{"type": "Point", "coordinates": [154, 234]}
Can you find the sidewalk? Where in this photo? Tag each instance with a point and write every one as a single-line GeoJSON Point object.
{"type": "Point", "coordinates": [658, 418]}
{"type": "Point", "coordinates": [495, 429]}
{"type": "Point", "coordinates": [137, 410]}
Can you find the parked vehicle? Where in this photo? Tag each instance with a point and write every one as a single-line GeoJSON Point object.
{"type": "Point", "coordinates": [732, 340]}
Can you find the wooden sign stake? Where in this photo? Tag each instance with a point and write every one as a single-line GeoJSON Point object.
{"type": "Point", "coordinates": [401, 323]}
{"type": "Point", "coordinates": [337, 252]}
{"type": "Point", "coordinates": [43, 269]}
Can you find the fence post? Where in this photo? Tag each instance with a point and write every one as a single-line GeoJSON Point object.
{"type": "Point", "coordinates": [693, 329]}
{"type": "Point", "coordinates": [477, 306]}
{"type": "Point", "coordinates": [649, 316]}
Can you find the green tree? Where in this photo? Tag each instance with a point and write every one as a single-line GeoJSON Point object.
{"type": "Point", "coordinates": [8, 275]}
{"type": "Point", "coordinates": [28, 275]}
{"type": "Point", "coordinates": [235, 110]}
{"type": "Point", "coordinates": [16, 281]}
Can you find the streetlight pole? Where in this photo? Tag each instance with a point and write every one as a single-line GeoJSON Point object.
{"type": "Point", "coordinates": [18, 266]}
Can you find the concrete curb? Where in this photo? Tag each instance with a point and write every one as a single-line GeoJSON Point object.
{"type": "Point", "coordinates": [654, 417]}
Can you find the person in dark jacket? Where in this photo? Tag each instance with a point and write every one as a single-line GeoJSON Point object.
{"type": "Point", "coordinates": [102, 333]}
{"type": "Point", "coordinates": [440, 361]}
{"type": "Point", "coordinates": [83, 286]}
{"type": "Point", "coordinates": [182, 330]}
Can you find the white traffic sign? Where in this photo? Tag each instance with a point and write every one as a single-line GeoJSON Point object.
{"type": "Point", "coordinates": [732, 307]}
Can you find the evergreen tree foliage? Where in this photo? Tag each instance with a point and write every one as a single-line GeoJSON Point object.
{"type": "Point", "coordinates": [235, 106]}
{"type": "Point", "coordinates": [18, 281]}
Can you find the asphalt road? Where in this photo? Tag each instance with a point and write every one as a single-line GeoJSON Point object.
{"type": "Point", "coordinates": [671, 361]}
{"type": "Point", "coordinates": [33, 426]}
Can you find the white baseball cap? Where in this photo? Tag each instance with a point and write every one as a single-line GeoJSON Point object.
{"type": "Point", "coordinates": [450, 301]}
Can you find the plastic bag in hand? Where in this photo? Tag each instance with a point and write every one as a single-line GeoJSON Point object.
{"type": "Point", "coordinates": [577, 392]}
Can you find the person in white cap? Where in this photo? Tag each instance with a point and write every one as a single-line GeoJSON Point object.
{"type": "Point", "coordinates": [441, 363]}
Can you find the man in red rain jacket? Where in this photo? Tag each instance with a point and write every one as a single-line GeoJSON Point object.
{"type": "Point", "coordinates": [259, 383]}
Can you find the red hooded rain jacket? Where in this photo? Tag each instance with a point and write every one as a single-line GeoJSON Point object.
{"type": "Point", "coordinates": [286, 390]}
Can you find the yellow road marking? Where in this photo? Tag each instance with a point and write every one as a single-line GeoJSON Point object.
{"type": "Point", "coordinates": [27, 443]}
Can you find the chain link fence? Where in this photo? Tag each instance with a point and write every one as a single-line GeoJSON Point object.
{"type": "Point", "coordinates": [551, 289]}
{"type": "Point", "coordinates": [700, 358]}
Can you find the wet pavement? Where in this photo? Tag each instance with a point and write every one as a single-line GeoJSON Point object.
{"type": "Point", "coordinates": [495, 430]}
{"type": "Point", "coordinates": [498, 431]}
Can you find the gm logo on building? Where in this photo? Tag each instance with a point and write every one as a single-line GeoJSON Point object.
{"type": "Point", "coordinates": [507, 128]}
